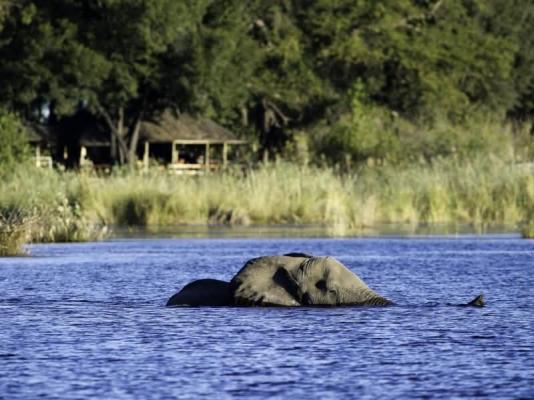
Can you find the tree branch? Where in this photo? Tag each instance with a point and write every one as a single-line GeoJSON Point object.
{"type": "Point", "coordinates": [114, 130]}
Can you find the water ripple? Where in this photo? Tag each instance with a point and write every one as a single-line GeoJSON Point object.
{"type": "Point", "coordinates": [88, 321]}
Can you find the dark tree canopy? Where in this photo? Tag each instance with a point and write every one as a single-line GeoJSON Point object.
{"type": "Point", "coordinates": [266, 68]}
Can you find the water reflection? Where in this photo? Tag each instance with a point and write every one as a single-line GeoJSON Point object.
{"type": "Point", "coordinates": [311, 231]}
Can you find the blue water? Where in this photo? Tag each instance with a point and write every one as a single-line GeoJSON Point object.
{"type": "Point", "coordinates": [88, 321]}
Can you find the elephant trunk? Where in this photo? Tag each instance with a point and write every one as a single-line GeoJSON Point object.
{"type": "Point", "coordinates": [378, 301]}
{"type": "Point", "coordinates": [364, 297]}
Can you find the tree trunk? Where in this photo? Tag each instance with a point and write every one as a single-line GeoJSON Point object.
{"type": "Point", "coordinates": [120, 136]}
{"type": "Point", "coordinates": [134, 140]}
{"type": "Point", "coordinates": [117, 134]}
{"type": "Point", "coordinates": [113, 151]}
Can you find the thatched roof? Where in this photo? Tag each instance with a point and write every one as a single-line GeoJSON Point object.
{"type": "Point", "coordinates": [170, 127]}
{"type": "Point", "coordinates": [84, 129]}
{"type": "Point", "coordinates": [36, 133]}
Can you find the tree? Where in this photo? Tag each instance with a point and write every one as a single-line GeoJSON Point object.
{"type": "Point", "coordinates": [516, 19]}
{"type": "Point", "coordinates": [285, 91]}
{"type": "Point", "coordinates": [413, 56]}
{"type": "Point", "coordinates": [120, 58]}
{"type": "Point", "coordinates": [271, 67]}
{"type": "Point", "coordinates": [4, 6]}
{"type": "Point", "coordinates": [14, 148]}
{"type": "Point", "coordinates": [223, 59]}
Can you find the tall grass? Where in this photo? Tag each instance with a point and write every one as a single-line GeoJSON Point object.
{"type": "Point", "coordinates": [482, 192]}
{"type": "Point", "coordinates": [52, 202]}
{"type": "Point", "coordinates": [528, 230]}
{"type": "Point", "coordinates": [15, 231]}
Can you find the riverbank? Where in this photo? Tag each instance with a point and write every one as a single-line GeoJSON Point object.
{"type": "Point", "coordinates": [79, 206]}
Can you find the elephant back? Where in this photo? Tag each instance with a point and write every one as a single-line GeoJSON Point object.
{"type": "Point", "coordinates": [266, 281]}
{"type": "Point", "coordinates": [203, 292]}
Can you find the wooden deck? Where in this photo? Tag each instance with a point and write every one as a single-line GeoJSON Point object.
{"type": "Point", "coordinates": [207, 163]}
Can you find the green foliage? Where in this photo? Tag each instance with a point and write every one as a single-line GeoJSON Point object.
{"type": "Point", "coordinates": [223, 58]}
{"type": "Point", "coordinates": [14, 147]}
{"type": "Point", "coordinates": [112, 56]}
{"type": "Point", "coordinates": [4, 9]}
{"type": "Point", "coordinates": [372, 76]}
{"type": "Point", "coordinates": [413, 56]}
{"type": "Point", "coordinates": [365, 132]}
{"type": "Point", "coordinates": [369, 133]}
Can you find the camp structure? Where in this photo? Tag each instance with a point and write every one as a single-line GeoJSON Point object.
{"type": "Point", "coordinates": [81, 140]}
{"type": "Point", "coordinates": [179, 142]}
{"type": "Point", "coordinates": [39, 140]}
{"type": "Point", "coordinates": [187, 145]}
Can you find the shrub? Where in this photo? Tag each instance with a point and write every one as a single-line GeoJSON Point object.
{"type": "Point", "coordinates": [14, 147]}
{"type": "Point", "coordinates": [15, 232]}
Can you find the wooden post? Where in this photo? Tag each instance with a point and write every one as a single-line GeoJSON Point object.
{"type": "Point", "coordinates": [225, 154]}
{"type": "Point", "coordinates": [207, 160]}
{"type": "Point", "coordinates": [83, 153]}
{"type": "Point", "coordinates": [38, 155]}
{"type": "Point", "coordinates": [174, 156]}
{"type": "Point", "coordinates": [146, 156]}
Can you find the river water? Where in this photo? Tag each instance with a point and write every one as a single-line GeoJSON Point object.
{"type": "Point", "coordinates": [88, 321]}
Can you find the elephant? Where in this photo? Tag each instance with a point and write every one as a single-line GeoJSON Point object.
{"type": "Point", "coordinates": [299, 279]}
{"type": "Point", "coordinates": [290, 280]}
{"type": "Point", "coordinates": [204, 292]}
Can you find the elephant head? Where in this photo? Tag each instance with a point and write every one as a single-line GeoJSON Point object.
{"type": "Point", "coordinates": [298, 279]}
{"type": "Point", "coordinates": [325, 281]}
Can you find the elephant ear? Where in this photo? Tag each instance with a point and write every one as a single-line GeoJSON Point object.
{"type": "Point", "coordinates": [266, 281]}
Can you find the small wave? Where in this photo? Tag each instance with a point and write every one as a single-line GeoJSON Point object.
{"type": "Point", "coordinates": [483, 337]}
{"type": "Point", "coordinates": [11, 300]}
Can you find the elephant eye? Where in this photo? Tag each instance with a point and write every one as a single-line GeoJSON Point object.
{"type": "Point", "coordinates": [321, 285]}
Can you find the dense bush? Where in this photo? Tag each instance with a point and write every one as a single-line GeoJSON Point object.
{"type": "Point", "coordinates": [14, 148]}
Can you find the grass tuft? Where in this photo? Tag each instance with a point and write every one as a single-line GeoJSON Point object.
{"type": "Point", "coordinates": [528, 231]}
{"type": "Point", "coordinates": [15, 232]}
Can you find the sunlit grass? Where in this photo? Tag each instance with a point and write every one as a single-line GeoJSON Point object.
{"type": "Point", "coordinates": [528, 230]}
{"type": "Point", "coordinates": [76, 207]}
{"type": "Point", "coordinates": [15, 232]}
{"type": "Point", "coordinates": [52, 201]}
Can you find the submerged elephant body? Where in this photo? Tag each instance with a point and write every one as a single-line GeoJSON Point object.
{"type": "Point", "coordinates": [203, 292]}
{"type": "Point", "coordinates": [289, 280]}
